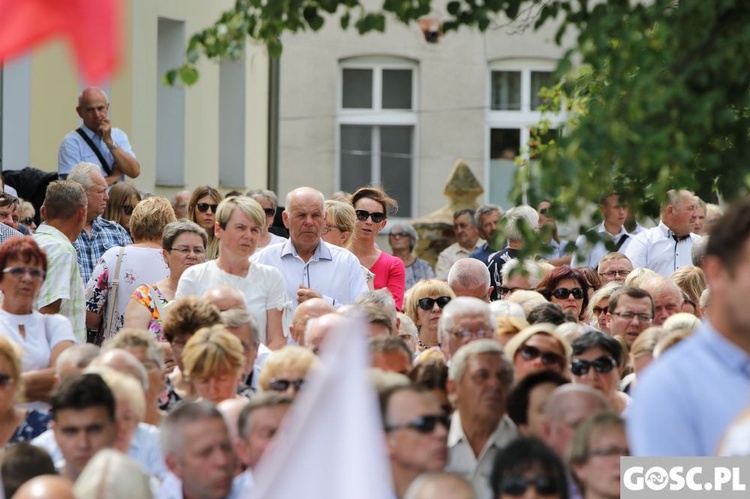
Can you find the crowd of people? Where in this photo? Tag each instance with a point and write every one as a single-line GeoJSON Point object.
{"type": "Point", "coordinates": [153, 347]}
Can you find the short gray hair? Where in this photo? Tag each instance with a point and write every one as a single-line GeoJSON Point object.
{"type": "Point", "coordinates": [82, 173]}
{"type": "Point", "coordinates": [132, 337]}
{"type": "Point", "coordinates": [469, 273]}
{"type": "Point", "coordinates": [409, 230]}
{"type": "Point", "coordinates": [457, 307]}
{"type": "Point", "coordinates": [485, 210]}
{"type": "Point", "coordinates": [236, 317]}
{"type": "Point", "coordinates": [381, 298]}
{"type": "Point", "coordinates": [515, 217]}
{"type": "Point", "coordinates": [172, 439]}
{"type": "Point", "coordinates": [259, 401]}
{"type": "Point", "coordinates": [698, 250]}
{"type": "Point", "coordinates": [174, 229]}
{"type": "Point", "coordinates": [528, 268]}
{"type": "Point", "coordinates": [264, 195]}
{"type": "Point", "coordinates": [79, 356]}
{"type": "Point", "coordinates": [460, 359]}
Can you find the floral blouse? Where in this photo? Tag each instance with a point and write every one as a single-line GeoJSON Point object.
{"type": "Point", "coordinates": [143, 295]}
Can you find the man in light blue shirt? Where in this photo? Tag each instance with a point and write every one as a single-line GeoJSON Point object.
{"type": "Point", "coordinates": [688, 397]}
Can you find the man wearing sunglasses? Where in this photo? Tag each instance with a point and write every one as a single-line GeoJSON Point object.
{"type": "Point", "coordinates": [311, 267]}
{"type": "Point", "coordinates": [416, 429]}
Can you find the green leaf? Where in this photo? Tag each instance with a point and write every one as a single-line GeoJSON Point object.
{"type": "Point", "coordinates": [453, 7]}
{"type": "Point", "coordinates": [188, 74]}
{"type": "Point", "coordinates": [345, 19]}
{"type": "Point", "coordinates": [170, 77]}
{"type": "Point", "coordinates": [274, 47]}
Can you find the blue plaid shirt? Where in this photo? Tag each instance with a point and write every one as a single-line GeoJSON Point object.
{"type": "Point", "coordinates": [105, 234]}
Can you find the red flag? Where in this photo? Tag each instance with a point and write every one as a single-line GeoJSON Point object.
{"type": "Point", "coordinates": [92, 26]}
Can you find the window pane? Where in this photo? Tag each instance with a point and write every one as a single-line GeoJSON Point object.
{"type": "Point", "coordinates": [357, 92]}
{"type": "Point", "coordinates": [396, 165]}
{"type": "Point", "coordinates": [506, 91]}
{"type": "Point", "coordinates": [356, 154]}
{"type": "Point", "coordinates": [539, 79]}
{"type": "Point", "coordinates": [505, 145]}
{"type": "Point", "coordinates": [397, 88]}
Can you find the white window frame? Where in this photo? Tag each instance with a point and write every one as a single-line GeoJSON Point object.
{"type": "Point", "coordinates": [377, 116]}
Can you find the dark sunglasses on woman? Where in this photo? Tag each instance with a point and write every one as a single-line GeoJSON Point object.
{"type": "Point", "coordinates": [428, 303]}
{"type": "Point", "coordinates": [363, 215]}
{"type": "Point", "coordinates": [203, 207]}
{"type": "Point", "coordinates": [563, 293]}
{"type": "Point", "coordinates": [602, 365]}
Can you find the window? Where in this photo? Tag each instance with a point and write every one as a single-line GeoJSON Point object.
{"type": "Point", "coordinates": [170, 102]}
{"type": "Point", "coordinates": [376, 127]}
{"type": "Point", "coordinates": [514, 100]}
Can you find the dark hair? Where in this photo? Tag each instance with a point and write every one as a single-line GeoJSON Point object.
{"type": "Point", "coordinates": [518, 399]}
{"type": "Point", "coordinates": [390, 206]}
{"type": "Point", "coordinates": [259, 401]}
{"type": "Point", "coordinates": [22, 248]}
{"type": "Point", "coordinates": [383, 344]}
{"type": "Point", "coordinates": [592, 277]}
{"type": "Point", "coordinates": [552, 278]}
{"type": "Point", "coordinates": [80, 391]}
{"type": "Point", "coordinates": [21, 463]}
{"type": "Point", "coordinates": [730, 233]}
{"type": "Point", "coordinates": [551, 313]}
{"type": "Point", "coordinates": [199, 192]}
{"type": "Point", "coordinates": [630, 291]}
{"type": "Point", "coordinates": [430, 374]}
{"type": "Point", "coordinates": [594, 339]}
{"type": "Point", "coordinates": [187, 315]}
{"type": "Point", "coordinates": [524, 454]}
{"type": "Point", "coordinates": [386, 395]}
{"type": "Point", "coordinates": [8, 200]}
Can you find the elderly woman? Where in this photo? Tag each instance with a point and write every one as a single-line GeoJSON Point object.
{"type": "Point", "coordinates": [214, 361]}
{"type": "Point", "coordinates": [286, 369]}
{"type": "Point", "coordinates": [129, 267]}
{"type": "Point", "coordinates": [567, 287]}
{"type": "Point", "coordinates": [123, 197]}
{"type": "Point", "coordinates": [269, 202]}
{"type": "Point", "coordinates": [184, 245]}
{"type": "Point", "coordinates": [202, 210]}
{"type": "Point", "coordinates": [598, 361]}
{"type": "Point", "coordinates": [403, 238]}
{"type": "Point", "coordinates": [424, 307]}
{"type": "Point", "coordinates": [16, 424]}
{"type": "Point", "coordinates": [595, 452]}
{"type": "Point", "coordinates": [27, 213]}
{"type": "Point", "coordinates": [599, 306]}
{"type": "Point", "coordinates": [238, 226]}
{"type": "Point", "coordinates": [538, 348]}
{"type": "Point", "coordinates": [371, 206]}
{"type": "Point", "coordinates": [43, 337]}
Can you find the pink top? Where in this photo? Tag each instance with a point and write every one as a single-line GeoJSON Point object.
{"type": "Point", "coordinates": [389, 273]}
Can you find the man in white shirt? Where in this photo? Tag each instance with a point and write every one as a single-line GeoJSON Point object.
{"type": "Point", "coordinates": [666, 247]}
{"type": "Point", "coordinates": [467, 240]}
{"type": "Point", "coordinates": [614, 213]}
{"type": "Point", "coordinates": [311, 267]}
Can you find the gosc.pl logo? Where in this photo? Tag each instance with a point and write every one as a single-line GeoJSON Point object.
{"type": "Point", "coordinates": [677, 478]}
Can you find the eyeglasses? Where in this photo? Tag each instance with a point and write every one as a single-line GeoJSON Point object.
{"type": "Point", "coordinates": [423, 424]}
{"type": "Point", "coordinates": [282, 385]}
{"type": "Point", "coordinates": [427, 303]}
{"type": "Point", "coordinates": [186, 251]}
{"type": "Point", "coordinates": [19, 272]}
{"type": "Point", "coordinates": [329, 228]}
{"type": "Point", "coordinates": [203, 207]}
{"type": "Point", "coordinates": [517, 485]}
{"type": "Point", "coordinates": [628, 316]}
{"type": "Point", "coordinates": [612, 451]}
{"type": "Point", "coordinates": [503, 291]}
{"type": "Point", "coordinates": [544, 211]}
{"type": "Point", "coordinates": [128, 209]}
{"type": "Point", "coordinates": [599, 310]}
{"type": "Point", "coordinates": [602, 365]}
{"type": "Point", "coordinates": [376, 216]}
{"type": "Point", "coordinates": [27, 221]}
{"type": "Point", "coordinates": [530, 353]}
{"type": "Point", "coordinates": [397, 235]}
{"type": "Point", "coordinates": [5, 380]}
{"type": "Point", "coordinates": [563, 293]}
{"type": "Point", "coordinates": [270, 212]}
{"type": "Point", "coordinates": [615, 273]}
{"type": "Point", "coordinates": [477, 334]}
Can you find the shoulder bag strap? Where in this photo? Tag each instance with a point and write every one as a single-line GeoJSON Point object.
{"type": "Point", "coordinates": [96, 150]}
{"type": "Point", "coordinates": [112, 298]}
{"type": "Point", "coordinates": [157, 302]}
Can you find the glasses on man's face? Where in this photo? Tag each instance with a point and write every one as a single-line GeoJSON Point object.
{"type": "Point", "coordinates": [611, 274]}
{"type": "Point", "coordinates": [476, 334]}
{"type": "Point", "coordinates": [19, 272]}
{"type": "Point", "coordinates": [185, 251]}
{"type": "Point", "coordinates": [602, 365]}
{"type": "Point", "coordinates": [282, 385]}
{"type": "Point", "coordinates": [427, 303]}
{"type": "Point", "coordinates": [563, 293]}
{"type": "Point", "coordinates": [423, 424]}
{"type": "Point", "coordinates": [629, 316]}
{"type": "Point", "coordinates": [204, 207]}
{"type": "Point", "coordinates": [363, 215]}
{"type": "Point", "coordinates": [549, 359]}
{"type": "Point", "coordinates": [270, 212]}
{"type": "Point", "coordinates": [503, 291]}
{"type": "Point", "coordinates": [127, 209]}
{"type": "Point", "coordinates": [518, 485]}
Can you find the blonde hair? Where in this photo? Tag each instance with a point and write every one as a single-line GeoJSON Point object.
{"type": "Point", "coordinates": [692, 281]}
{"type": "Point", "coordinates": [13, 353]}
{"type": "Point", "coordinates": [248, 206]}
{"type": "Point", "coordinates": [288, 357]}
{"type": "Point", "coordinates": [424, 289]}
{"type": "Point", "coordinates": [212, 351]}
{"type": "Point", "coordinates": [639, 276]}
{"type": "Point", "coordinates": [528, 300]}
{"type": "Point", "coordinates": [341, 215]}
{"type": "Point", "coordinates": [150, 217]}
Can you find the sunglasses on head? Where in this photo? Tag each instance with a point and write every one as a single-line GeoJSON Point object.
{"type": "Point", "coordinates": [128, 209]}
{"type": "Point", "coordinates": [203, 207]}
{"type": "Point", "coordinates": [549, 359]}
{"type": "Point", "coordinates": [423, 424]}
{"type": "Point", "coordinates": [602, 365]}
{"type": "Point", "coordinates": [428, 303]}
{"type": "Point", "coordinates": [517, 485]}
{"type": "Point", "coordinates": [282, 385]}
{"type": "Point", "coordinates": [563, 293]}
{"type": "Point", "coordinates": [376, 216]}
{"type": "Point", "coordinates": [270, 212]}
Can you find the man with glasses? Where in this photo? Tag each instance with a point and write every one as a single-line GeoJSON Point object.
{"type": "Point", "coordinates": [612, 229]}
{"type": "Point", "coordinates": [479, 380]}
{"type": "Point", "coordinates": [631, 311]}
{"type": "Point", "coordinates": [467, 240]}
{"type": "Point", "coordinates": [416, 429]}
{"type": "Point", "coordinates": [464, 319]}
{"type": "Point", "coordinates": [311, 267]}
{"type": "Point", "coordinates": [614, 267]}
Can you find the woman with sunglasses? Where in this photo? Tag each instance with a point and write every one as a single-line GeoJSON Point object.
{"type": "Point", "coordinates": [269, 202]}
{"type": "Point", "coordinates": [122, 200]}
{"type": "Point", "coordinates": [424, 306]}
{"type": "Point", "coordinates": [285, 370]}
{"type": "Point", "coordinates": [538, 348]}
{"type": "Point", "coordinates": [202, 210]}
{"type": "Point", "coordinates": [27, 213]}
{"type": "Point", "coordinates": [567, 287]}
{"type": "Point", "coordinates": [524, 464]}
{"type": "Point", "coordinates": [598, 361]}
{"type": "Point", "coordinates": [403, 238]}
{"type": "Point", "coordinates": [339, 227]}
{"type": "Point", "coordinates": [371, 206]}
{"type": "Point", "coordinates": [43, 337]}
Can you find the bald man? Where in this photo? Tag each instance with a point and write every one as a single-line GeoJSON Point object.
{"type": "Point", "coordinates": [225, 297]}
{"type": "Point", "coordinates": [310, 309]}
{"type": "Point", "coordinates": [46, 486]}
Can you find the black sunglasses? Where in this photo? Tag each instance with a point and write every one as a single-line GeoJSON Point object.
{"type": "Point", "coordinates": [530, 353]}
{"type": "Point", "coordinates": [270, 212]}
{"type": "Point", "coordinates": [282, 385]}
{"type": "Point", "coordinates": [5, 379]}
{"type": "Point", "coordinates": [128, 209]}
{"type": "Point", "coordinates": [203, 207]}
{"type": "Point", "coordinates": [601, 365]}
{"type": "Point", "coordinates": [428, 303]}
{"type": "Point", "coordinates": [517, 485]}
{"type": "Point", "coordinates": [423, 424]}
{"type": "Point", "coordinates": [563, 293]}
{"type": "Point", "coordinates": [27, 221]}
{"type": "Point", "coordinates": [376, 216]}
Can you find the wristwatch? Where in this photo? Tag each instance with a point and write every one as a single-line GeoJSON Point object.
{"type": "Point", "coordinates": [113, 146]}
